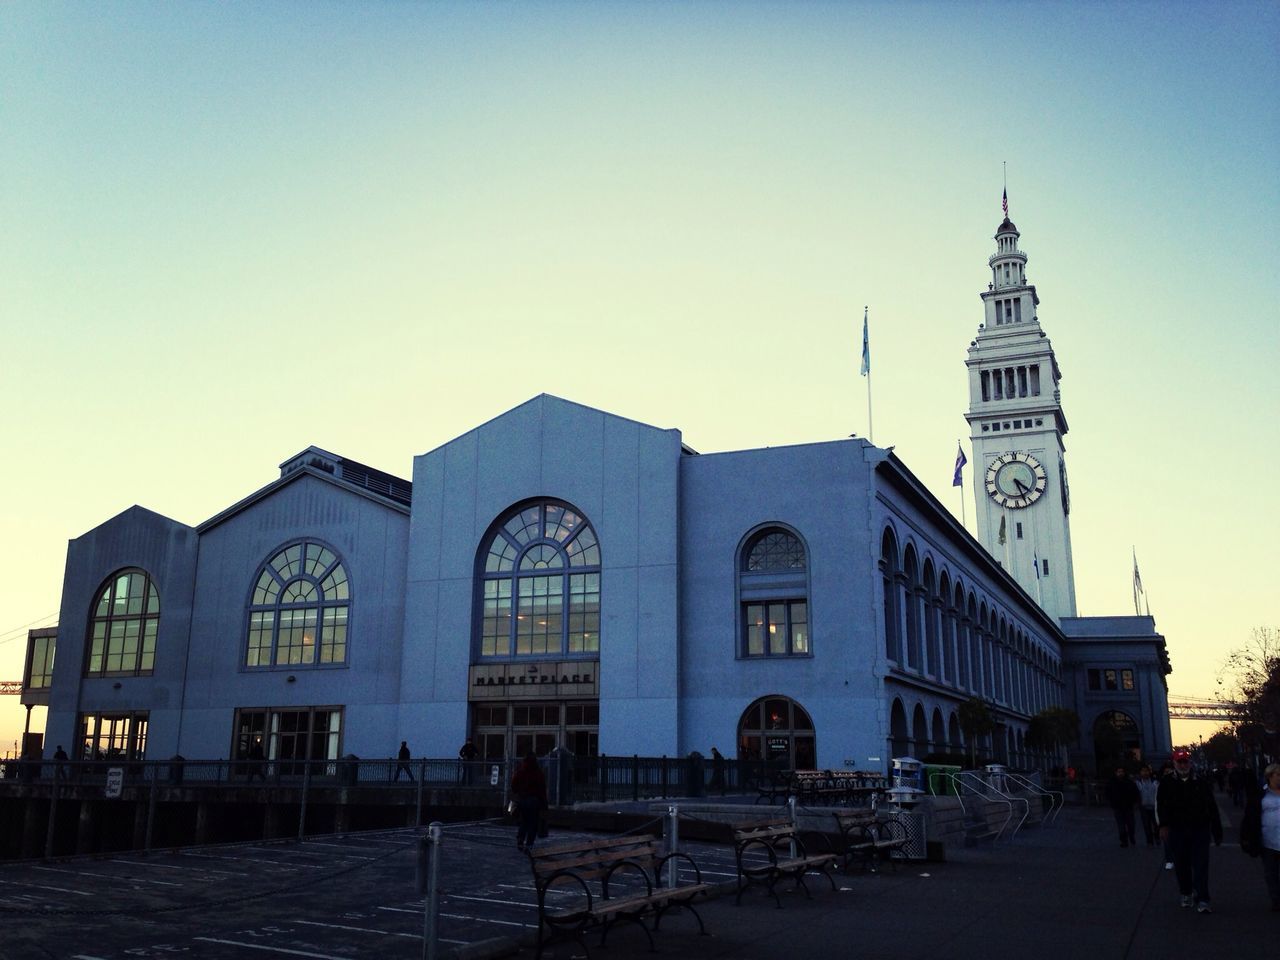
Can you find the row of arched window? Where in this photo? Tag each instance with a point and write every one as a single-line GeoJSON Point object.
{"type": "Point", "coordinates": [936, 627]}
{"type": "Point", "coordinates": [924, 736]}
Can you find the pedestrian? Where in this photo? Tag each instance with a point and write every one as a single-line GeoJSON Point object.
{"type": "Point", "coordinates": [1124, 798]}
{"type": "Point", "coordinates": [717, 770]}
{"type": "Point", "coordinates": [60, 763]}
{"type": "Point", "coordinates": [468, 754]}
{"type": "Point", "coordinates": [257, 761]}
{"type": "Point", "coordinates": [1236, 780]}
{"type": "Point", "coordinates": [402, 764]}
{"type": "Point", "coordinates": [529, 792]}
{"type": "Point", "coordinates": [1166, 770]}
{"type": "Point", "coordinates": [1260, 830]}
{"type": "Point", "coordinates": [1147, 788]}
{"type": "Point", "coordinates": [1188, 816]}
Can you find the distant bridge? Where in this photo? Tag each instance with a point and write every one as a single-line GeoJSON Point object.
{"type": "Point", "coordinates": [1204, 708]}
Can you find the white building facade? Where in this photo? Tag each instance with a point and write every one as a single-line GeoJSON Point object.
{"type": "Point", "coordinates": [563, 577]}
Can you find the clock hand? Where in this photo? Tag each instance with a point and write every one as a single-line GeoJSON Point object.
{"type": "Point", "coordinates": [1022, 487]}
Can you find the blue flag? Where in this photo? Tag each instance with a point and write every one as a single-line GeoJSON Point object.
{"type": "Point", "coordinates": [866, 346]}
{"type": "Point", "coordinates": [961, 460]}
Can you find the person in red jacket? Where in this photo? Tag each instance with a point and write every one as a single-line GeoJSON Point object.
{"type": "Point", "coordinates": [1188, 815]}
{"type": "Point", "coordinates": [529, 791]}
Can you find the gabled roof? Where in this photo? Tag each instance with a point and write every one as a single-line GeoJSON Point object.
{"type": "Point", "coordinates": [349, 475]}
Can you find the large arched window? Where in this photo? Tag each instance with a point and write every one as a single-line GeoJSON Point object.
{"type": "Point", "coordinates": [122, 630]}
{"type": "Point", "coordinates": [539, 584]}
{"type": "Point", "coordinates": [889, 579]}
{"type": "Point", "coordinates": [299, 610]}
{"type": "Point", "coordinates": [773, 586]}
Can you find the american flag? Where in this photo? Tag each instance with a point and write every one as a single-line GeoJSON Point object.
{"type": "Point", "coordinates": [1004, 202]}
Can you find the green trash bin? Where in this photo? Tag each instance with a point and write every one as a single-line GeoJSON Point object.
{"type": "Point", "coordinates": [936, 781]}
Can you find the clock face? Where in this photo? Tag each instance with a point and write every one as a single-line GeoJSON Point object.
{"type": "Point", "coordinates": [1015, 480]}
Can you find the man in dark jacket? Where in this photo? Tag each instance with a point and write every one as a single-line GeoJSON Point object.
{"type": "Point", "coordinates": [1123, 795]}
{"type": "Point", "coordinates": [1188, 816]}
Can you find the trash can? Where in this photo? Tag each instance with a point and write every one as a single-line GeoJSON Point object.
{"type": "Point", "coordinates": [937, 779]}
{"type": "Point", "coordinates": [906, 772]}
{"type": "Point", "coordinates": [995, 775]}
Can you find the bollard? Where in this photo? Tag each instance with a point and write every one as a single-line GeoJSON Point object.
{"type": "Point", "coordinates": [417, 812]}
{"type": "Point", "coordinates": [430, 849]}
{"type": "Point", "coordinates": [302, 810]}
{"type": "Point", "coordinates": [151, 810]}
{"type": "Point", "coordinates": [673, 843]}
{"type": "Point", "coordinates": [53, 818]}
{"type": "Point", "coordinates": [795, 824]}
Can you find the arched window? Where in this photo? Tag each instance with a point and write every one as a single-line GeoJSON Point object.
{"type": "Point", "coordinates": [122, 629]}
{"type": "Point", "coordinates": [773, 588]}
{"type": "Point", "coordinates": [777, 729]}
{"type": "Point", "coordinates": [889, 576]}
{"type": "Point", "coordinates": [899, 743]}
{"type": "Point", "coordinates": [299, 610]}
{"type": "Point", "coordinates": [539, 584]}
{"type": "Point", "coordinates": [930, 611]}
{"type": "Point", "coordinates": [913, 604]}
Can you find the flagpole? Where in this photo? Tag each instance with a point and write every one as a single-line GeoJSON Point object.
{"type": "Point", "coordinates": [964, 521]}
{"type": "Point", "coordinates": [866, 370]}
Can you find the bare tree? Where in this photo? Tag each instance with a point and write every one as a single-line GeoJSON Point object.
{"type": "Point", "coordinates": [1253, 672]}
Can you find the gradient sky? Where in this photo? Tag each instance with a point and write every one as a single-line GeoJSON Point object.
{"type": "Point", "coordinates": [233, 230]}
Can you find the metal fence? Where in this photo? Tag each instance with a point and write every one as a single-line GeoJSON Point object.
{"type": "Point", "coordinates": [570, 778]}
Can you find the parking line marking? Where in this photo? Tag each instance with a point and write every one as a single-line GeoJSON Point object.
{"type": "Point", "coordinates": [259, 946]}
{"type": "Point", "coordinates": [108, 879]}
{"type": "Point", "coordinates": [505, 923]}
{"type": "Point", "coordinates": [37, 886]}
{"type": "Point", "coordinates": [339, 926]}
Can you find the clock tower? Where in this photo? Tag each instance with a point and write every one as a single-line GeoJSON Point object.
{"type": "Point", "coordinates": [1016, 426]}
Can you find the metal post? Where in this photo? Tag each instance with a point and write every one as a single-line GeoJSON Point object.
{"type": "Point", "coordinates": [302, 809]}
{"type": "Point", "coordinates": [795, 824]}
{"type": "Point", "coordinates": [53, 818]}
{"type": "Point", "coordinates": [151, 809]}
{"type": "Point", "coordinates": [673, 842]}
{"type": "Point", "coordinates": [417, 813]}
{"type": "Point", "coordinates": [635, 777]}
{"type": "Point", "coordinates": [430, 945]}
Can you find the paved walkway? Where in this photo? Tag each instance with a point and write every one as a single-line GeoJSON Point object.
{"type": "Point", "coordinates": [1067, 891]}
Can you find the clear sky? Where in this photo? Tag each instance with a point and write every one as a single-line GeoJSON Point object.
{"type": "Point", "coordinates": [231, 230]}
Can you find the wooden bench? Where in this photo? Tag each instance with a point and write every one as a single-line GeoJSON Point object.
{"type": "Point", "coordinates": [773, 787]}
{"type": "Point", "coordinates": [595, 884]}
{"type": "Point", "coordinates": [868, 839]}
{"type": "Point", "coordinates": [770, 850]}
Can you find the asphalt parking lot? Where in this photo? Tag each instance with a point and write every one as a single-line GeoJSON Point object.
{"type": "Point", "coordinates": [1062, 891]}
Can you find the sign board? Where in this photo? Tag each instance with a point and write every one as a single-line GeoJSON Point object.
{"type": "Point", "coordinates": [535, 681]}
{"type": "Point", "coordinates": [115, 782]}
{"type": "Point", "coordinates": [493, 775]}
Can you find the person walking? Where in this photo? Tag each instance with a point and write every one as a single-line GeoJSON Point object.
{"type": "Point", "coordinates": [529, 791]}
{"type": "Point", "coordinates": [1188, 815]}
{"type": "Point", "coordinates": [60, 763]}
{"type": "Point", "coordinates": [1147, 787]}
{"type": "Point", "coordinates": [402, 764]}
{"type": "Point", "coordinates": [468, 754]}
{"type": "Point", "coordinates": [1123, 796]}
{"type": "Point", "coordinates": [1260, 830]}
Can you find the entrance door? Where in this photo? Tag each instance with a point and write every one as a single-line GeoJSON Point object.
{"type": "Point", "coordinates": [778, 730]}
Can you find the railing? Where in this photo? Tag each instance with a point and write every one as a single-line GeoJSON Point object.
{"type": "Point", "coordinates": [1055, 797]}
{"type": "Point", "coordinates": [974, 782]}
{"type": "Point", "coordinates": [569, 778]}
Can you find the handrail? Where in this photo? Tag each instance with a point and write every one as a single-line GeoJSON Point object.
{"type": "Point", "coordinates": [1057, 800]}
{"type": "Point", "coordinates": [985, 789]}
